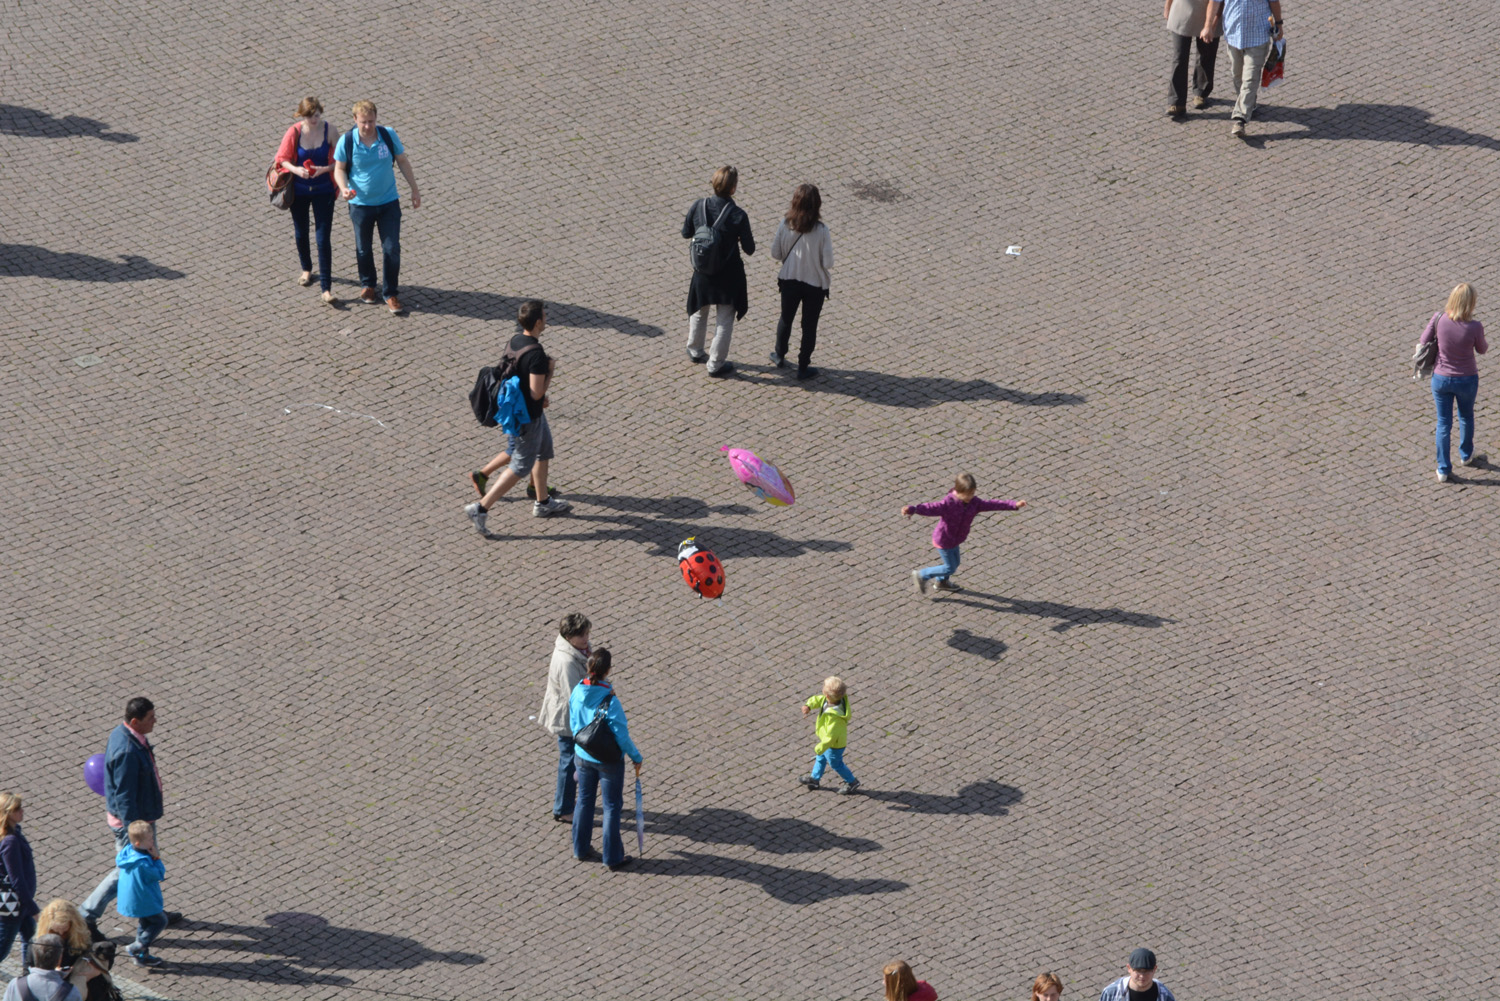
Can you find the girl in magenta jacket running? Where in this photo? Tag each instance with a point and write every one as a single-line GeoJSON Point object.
{"type": "Point", "coordinates": [955, 513]}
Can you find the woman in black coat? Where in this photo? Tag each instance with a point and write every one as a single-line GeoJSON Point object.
{"type": "Point", "coordinates": [723, 288]}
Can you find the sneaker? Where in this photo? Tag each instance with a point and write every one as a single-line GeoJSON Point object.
{"type": "Point", "coordinates": [329, 298]}
{"type": "Point", "coordinates": [919, 581]}
{"type": "Point", "coordinates": [848, 788]}
{"type": "Point", "coordinates": [723, 370]}
{"type": "Point", "coordinates": [394, 305]}
{"type": "Point", "coordinates": [1200, 103]}
{"type": "Point", "coordinates": [551, 490]}
{"type": "Point", "coordinates": [697, 357]}
{"type": "Point", "coordinates": [305, 279]}
{"type": "Point", "coordinates": [803, 374]}
{"type": "Point", "coordinates": [1237, 129]}
{"type": "Point", "coordinates": [1477, 459]}
{"type": "Point", "coordinates": [368, 295]}
{"type": "Point", "coordinates": [477, 515]}
{"type": "Point", "coordinates": [480, 482]}
{"type": "Point", "coordinates": [549, 507]}
{"type": "Point", "coordinates": [624, 863]}
{"type": "Point", "coordinates": [1443, 477]}
{"type": "Point", "coordinates": [947, 585]}
{"type": "Point", "coordinates": [778, 360]}
{"type": "Point", "coordinates": [1176, 111]}
{"type": "Point", "coordinates": [143, 958]}
{"type": "Point", "coordinates": [810, 782]}
{"type": "Point", "coordinates": [174, 918]}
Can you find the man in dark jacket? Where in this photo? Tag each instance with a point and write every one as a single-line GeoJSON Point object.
{"type": "Point", "coordinates": [132, 791]}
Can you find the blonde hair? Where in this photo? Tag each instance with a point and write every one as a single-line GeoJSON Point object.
{"type": "Point", "coordinates": [900, 982]}
{"type": "Point", "coordinates": [363, 108]}
{"type": "Point", "coordinates": [965, 484]}
{"type": "Point", "coordinates": [309, 105]}
{"type": "Point", "coordinates": [1045, 982]}
{"type": "Point", "coordinates": [1461, 302]}
{"type": "Point", "coordinates": [59, 913]}
{"type": "Point", "coordinates": [726, 179]}
{"type": "Point", "coordinates": [9, 803]}
{"type": "Point", "coordinates": [833, 683]}
{"type": "Point", "coordinates": [138, 830]}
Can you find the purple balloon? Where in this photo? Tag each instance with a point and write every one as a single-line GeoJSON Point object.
{"type": "Point", "coordinates": [93, 773]}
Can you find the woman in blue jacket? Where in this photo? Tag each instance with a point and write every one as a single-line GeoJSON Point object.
{"type": "Point", "coordinates": [589, 695]}
{"type": "Point", "coordinates": [20, 873]}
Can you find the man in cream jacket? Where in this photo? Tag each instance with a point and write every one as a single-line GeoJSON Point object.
{"type": "Point", "coordinates": [570, 652]}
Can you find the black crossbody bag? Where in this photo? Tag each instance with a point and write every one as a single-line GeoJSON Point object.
{"type": "Point", "coordinates": [597, 739]}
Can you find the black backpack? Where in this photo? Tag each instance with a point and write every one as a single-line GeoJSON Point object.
{"type": "Point", "coordinates": [484, 398]}
{"type": "Point", "coordinates": [347, 146]}
{"type": "Point", "coordinates": [710, 246]}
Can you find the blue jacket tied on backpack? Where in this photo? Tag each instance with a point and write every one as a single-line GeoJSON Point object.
{"type": "Point", "coordinates": [510, 407]}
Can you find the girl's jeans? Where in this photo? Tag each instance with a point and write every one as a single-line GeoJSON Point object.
{"type": "Point", "coordinates": [9, 928]}
{"type": "Point", "coordinates": [946, 568]}
{"type": "Point", "coordinates": [322, 213]}
{"type": "Point", "coordinates": [833, 756]}
{"type": "Point", "coordinates": [1447, 390]}
{"type": "Point", "coordinates": [147, 929]}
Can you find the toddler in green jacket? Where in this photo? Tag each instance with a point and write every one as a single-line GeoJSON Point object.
{"type": "Point", "coordinates": [832, 708]}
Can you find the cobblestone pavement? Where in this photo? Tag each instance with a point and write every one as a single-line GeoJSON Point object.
{"type": "Point", "coordinates": [1227, 688]}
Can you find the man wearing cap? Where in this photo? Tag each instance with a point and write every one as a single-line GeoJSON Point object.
{"type": "Point", "coordinates": [1139, 982]}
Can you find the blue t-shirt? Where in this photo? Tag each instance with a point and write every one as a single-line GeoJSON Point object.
{"type": "Point", "coordinates": [372, 174]}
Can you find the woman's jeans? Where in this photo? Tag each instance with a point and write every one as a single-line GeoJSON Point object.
{"type": "Point", "coordinates": [810, 298]}
{"type": "Point", "coordinates": [9, 929]}
{"type": "Point", "coordinates": [322, 213]}
{"type": "Point", "coordinates": [366, 219]}
{"type": "Point", "coordinates": [147, 928]}
{"type": "Point", "coordinates": [1446, 391]}
{"type": "Point", "coordinates": [567, 783]}
{"type": "Point", "coordinates": [833, 756]}
{"type": "Point", "coordinates": [590, 777]}
{"type": "Point", "coordinates": [945, 569]}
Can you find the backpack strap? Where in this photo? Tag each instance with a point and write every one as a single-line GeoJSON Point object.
{"type": "Point", "coordinates": [347, 148]}
{"type": "Point", "coordinates": [722, 212]}
{"type": "Point", "coordinates": [390, 143]}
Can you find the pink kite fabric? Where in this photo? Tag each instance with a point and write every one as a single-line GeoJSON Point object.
{"type": "Point", "coordinates": [763, 479]}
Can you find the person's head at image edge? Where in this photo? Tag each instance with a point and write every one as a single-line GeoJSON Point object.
{"type": "Point", "coordinates": [1047, 987]}
{"type": "Point", "coordinates": [901, 984]}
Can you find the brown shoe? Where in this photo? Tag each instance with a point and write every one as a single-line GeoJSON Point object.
{"type": "Point", "coordinates": [1200, 103]}
{"type": "Point", "coordinates": [1176, 111]}
{"type": "Point", "coordinates": [394, 305]}
{"type": "Point", "coordinates": [368, 295]}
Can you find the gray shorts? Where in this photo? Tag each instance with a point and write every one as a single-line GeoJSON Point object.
{"type": "Point", "coordinates": [533, 443]}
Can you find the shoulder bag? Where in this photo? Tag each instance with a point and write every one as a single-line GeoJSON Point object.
{"type": "Point", "coordinates": [597, 738]}
{"type": "Point", "coordinates": [1425, 358]}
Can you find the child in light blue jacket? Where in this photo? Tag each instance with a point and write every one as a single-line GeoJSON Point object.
{"type": "Point", "coordinates": [141, 873]}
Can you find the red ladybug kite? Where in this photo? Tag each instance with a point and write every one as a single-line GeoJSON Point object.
{"type": "Point", "coordinates": [701, 569]}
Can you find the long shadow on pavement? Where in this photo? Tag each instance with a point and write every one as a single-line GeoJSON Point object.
{"type": "Point", "coordinates": [1399, 123]}
{"type": "Point", "coordinates": [26, 260]}
{"type": "Point", "coordinates": [988, 798]}
{"type": "Point", "coordinates": [1068, 616]}
{"type": "Point", "coordinates": [33, 124]}
{"type": "Point", "coordinates": [915, 391]}
{"type": "Point", "coordinates": [493, 306]}
{"type": "Point", "coordinates": [790, 886]}
{"type": "Point", "coordinates": [778, 835]}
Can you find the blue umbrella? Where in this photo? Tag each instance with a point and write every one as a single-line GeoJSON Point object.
{"type": "Point", "coordinates": [640, 819]}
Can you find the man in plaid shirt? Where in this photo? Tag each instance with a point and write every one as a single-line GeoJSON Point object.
{"type": "Point", "coordinates": [1248, 29]}
{"type": "Point", "coordinates": [1139, 982]}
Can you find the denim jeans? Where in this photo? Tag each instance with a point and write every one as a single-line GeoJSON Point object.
{"type": "Point", "coordinates": [322, 214]}
{"type": "Point", "coordinates": [1447, 390]}
{"type": "Point", "coordinates": [810, 298]}
{"type": "Point", "coordinates": [590, 778]}
{"type": "Point", "coordinates": [93, 907]}
{"type": "Point", "coordinates": [366, 219]}
{"type": "Point", "coordinates": [9, 929]}
{"type": "Point", "coordinates": [146, 930]}
{"type": "Point", "coordinates": [567, 781]}
{"type": "Point", "coordinates": [945, 569]}
{"type": "Point", "coordinates": [833, 756]}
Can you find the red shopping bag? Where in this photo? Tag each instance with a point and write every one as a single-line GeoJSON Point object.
{"type": "Point", "coordinates": [1275, 69]}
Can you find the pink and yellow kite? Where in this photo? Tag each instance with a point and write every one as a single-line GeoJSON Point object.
{"type": "Point", "coordinates": [763, 479]}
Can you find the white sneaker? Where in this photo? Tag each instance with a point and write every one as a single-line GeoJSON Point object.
{"type": "Point", "coordinates": [477, 515]}
{"type": "Point", "coordinates": [919, 581]}
{"type": "Point", "coordinates": [550, 507]}
{"type": "Point", "coordinates": [1477, 459]}
{"type": "Point", "coordinates": [1443, 477]}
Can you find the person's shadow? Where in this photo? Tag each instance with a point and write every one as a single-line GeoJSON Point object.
{"type": "Point", "coordinates": [493, 306]}
{"type": "Point", "coordinates": [777, 835]}
{"type": "Point", "coordinates": [18, 260]}
{"type": "Point", "coordinates": [293, 947]}
{"type": "Point", "coordinates": [34, 124]}
{"type": "Point", "coordinates": [988, 798]}
{"type": "Point", "coordinates": [981, 646]}
{"type": "Point", "coordinates": [790, 886]}
{"type": "Point", "coordinates": [1067, 616]}
{"type": "Point", "coordinates": [1399, 123]}
{"type": "Point", "coordinates": [915, 391]}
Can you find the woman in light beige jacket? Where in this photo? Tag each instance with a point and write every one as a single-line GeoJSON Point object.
{"type": "Point", "coordinates": [570, 654]}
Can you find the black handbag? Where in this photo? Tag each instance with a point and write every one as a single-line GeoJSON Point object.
{"type": "Point", "coordinates": [597, 739]}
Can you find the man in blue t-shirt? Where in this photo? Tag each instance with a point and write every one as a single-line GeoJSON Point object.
{"type": "Point", "coordinates": [365, 161]}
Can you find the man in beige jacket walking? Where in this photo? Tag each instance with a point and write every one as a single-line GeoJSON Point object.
{"type": "Point", "coordinates": [570, 653]}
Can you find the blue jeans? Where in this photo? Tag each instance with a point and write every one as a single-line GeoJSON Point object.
{"type": "Point", "coordinates": [147, 929]}
{"type": "Point", "coordinates": [945, 569]}
{"type": "Point", "coordinates": [93, 907]}
{"type": "Point", "coordinates": [833, 756]}
{"type": "Point", "coordinates": [1447, 390]}
{"type": "Point", "coordinates": [9, 929]}
{"type": "Point", "coordinates": [590, 778]}
{"type": "Point", "coordinates": [567, 782]}
{"type": "Point", "coordinates": [322, 213]}
{"type": "Point", "coordinates": [366, 219]}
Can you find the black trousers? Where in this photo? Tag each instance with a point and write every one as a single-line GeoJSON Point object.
{"type": "Point", "coordinates": [1203, 73]}
{"type": "Point", "coordinates": [810, 298]}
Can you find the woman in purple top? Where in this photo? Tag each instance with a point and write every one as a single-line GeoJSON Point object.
{"type": "Point", "coordinates": [1455, 378]}
{"type": "Point", "coordinates": [955, 513]}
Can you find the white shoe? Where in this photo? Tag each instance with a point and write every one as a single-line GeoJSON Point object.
{"type": "Point", "coordinates": [477, 515]}
{"type": "Point", "coordinates": [1443, 477]}
{"type": "Point", "coordinates": [919, 581]}
{"type": "Point", "coordinates": [549, 507]}
{"type": "Point", "coordinates": [1477, 459]}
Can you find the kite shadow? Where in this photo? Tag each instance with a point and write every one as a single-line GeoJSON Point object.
{"type": "Point", "coordinates": [914, 391]}
{"type": "Point", "coordinates": [981, 646]}
{"type": "Point", "coordinates": [33, 124]}
{"type": "Point", "coordinates": [1068, 616]}
{"type": "Point", "coordinates": [25, 260]}
{"type": "Point", "coordinates": [493, 306]}
{"type": "Point", "coordinates": [777, 835]}
{"type": "Point", "coordinates": [296, 948]}
{"type": "Point", "coordinates": [988, 798]}
{"type": "Point", "coordinates": [790, 886]}
{"type": "Point", "coordinates": [1398, 123]}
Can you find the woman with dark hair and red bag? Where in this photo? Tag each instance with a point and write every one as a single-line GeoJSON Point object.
{"type": "Point", "coordinates": [805, 247]}
{"type": "Point", "coordinates": [306, 152]}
